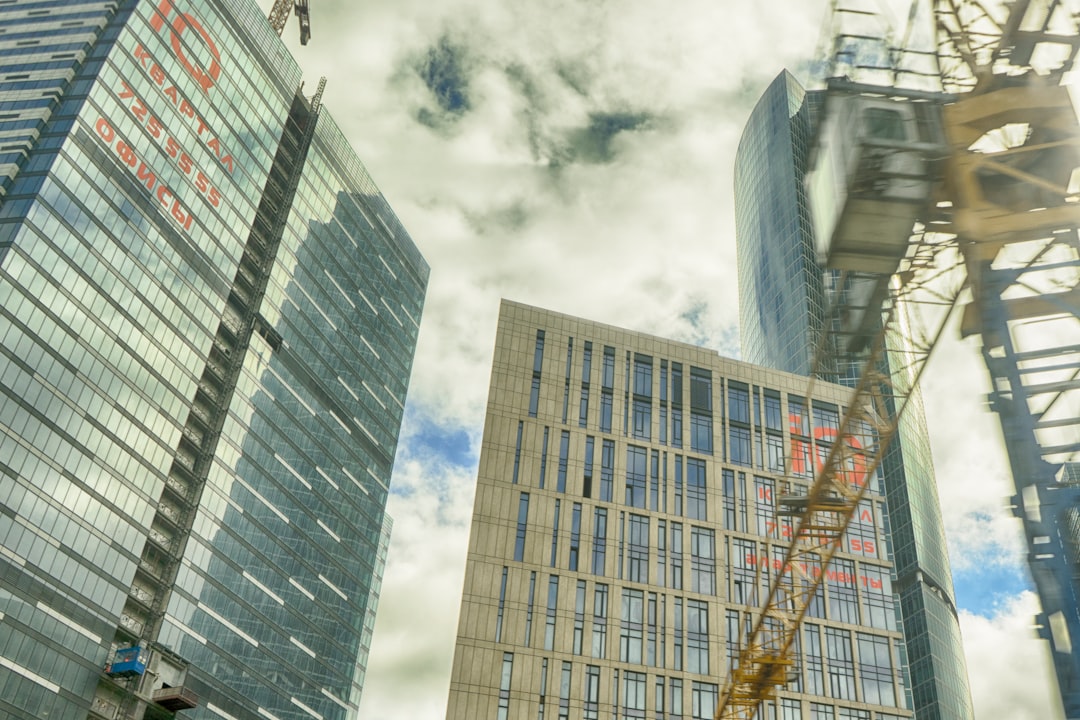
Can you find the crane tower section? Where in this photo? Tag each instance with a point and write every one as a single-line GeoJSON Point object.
{"type": "Point", "coordinates": [987, 163]}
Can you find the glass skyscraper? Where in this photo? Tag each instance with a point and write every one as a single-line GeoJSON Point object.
{"type": "Point", "coordinates": [782, 303]}
{"type": "Point", "coordinates": [208, 315]}
{"type": "Point", "coordinates": [625, 528]}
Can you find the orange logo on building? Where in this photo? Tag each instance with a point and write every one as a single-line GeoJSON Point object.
{"type": "Point", "coordinates": [181, 23]}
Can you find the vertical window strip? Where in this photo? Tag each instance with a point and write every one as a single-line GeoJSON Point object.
{"type": "Point", "coordinates": [517, 451]}
{"type": "Point", "coordinates": [678, 635]}
{"type": "Point", "coordinates": [579, 617]}
{"type": "Point", "coordinates": [504, 686]}
{"type": "Point", "coordinates": [538, 362]}
{"type": "Point", "coordinates": [590, 449]}
{"type": "Point", "coordinates": [555, 534]}
{"type": "Point", "coordinates": [543, 688]}
{"type": "Point", "coordinates": [552, 607]}
{"type": "Point", "coordinates": [607, 470]}
{"type": "Point", "coordinates": [564, 690]}
{"type": "Point", "coordinates": [522, 526]}
{"type": "Point", "coordinates": [600, 615]}
{"type": "Point", "coordinates": [502, 607]}
{"type": "Point", "coordinates": [676, 554]}
{"type": "Point", "coordinates": [566, 386]}
{"type": "Point", "coordinates": [654, 484]}
{"type": "Point", "coordinates": [626, 397]}
{"type": "Point", "coordinates": [543, 456]}
{"type": "Point", "coordinates": [592, 693]}
{"type": "Point", "coordinates": [564, 452]}
{"type": "Point", "coordinates": [575, 536]}
{"type": "Point", "coordinates": [599, 557]}
{"type": "Point", "coordinates": [529, 608]}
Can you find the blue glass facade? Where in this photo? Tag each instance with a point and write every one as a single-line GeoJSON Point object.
{"type": "Point", "coordinates": [207, 327]}
{"type": "Point", "coordinates": [782, 304]}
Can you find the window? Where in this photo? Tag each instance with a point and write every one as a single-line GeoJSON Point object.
{"type": "Point", "coordinates": [642, 398]}
{"type": "Point", "coordinates": [676, 405]}
{"type": "Point", "coordinates": [504, 686]}
{"type": "Point", "coordinates": [592, 692]}
{"type": "Point", "coordinates": [815, 662]}
{"type": "Point", "coordinates": [534, 396]}
{"type": "Point", "coordinates": [774, 418]}
{"type": "Point", "coordinates": [697, 637]}
{"type": "Point", "coordinates": [661, 552]}
{"type": "Point", "coordinates": [743, 560]}
{"type": "Point", "coordinates": [607, 469]}
{"type": "Point", "coordinates": [702, 561]}
{"type": "Point", "coordinates": [739, 445]}
{"type": "Point", "coordinates": [637, 467]}
{"type": "Point", "coordinates": [517, 451]}
{"type": "Point", "coordinates": [821, 711]}
{"type": "Point", "coordinates": [677, 635]}
{"type": "Point", "coordinates": [639, 549]}
{"type": "Point", "coordinates": [564, 451]}
{"type": "Point", "coordinates": [701, 432]}
{"type": "Point", "coordinates": [631, 626]}
{"type": "Point", "coordinates": [529, 608]}
{"type": "Point", "coordinates": [696, 506]}
{"type": "Point", "coordinates": [502, 607]}
{"type": "Point", "coordinates": [790, 709]}
{"type": "Point", "coordinates": [658, 698]}
{"type": "Point", "coordinates": [675, 699]}
{"type": "Point", "coordinates": [579, 616]}
{"type": "Point", "coordinates": [564, 691]}
{"type": "Point", "coordinates": [878, 608]}
{"type": "Point", "coordinates": [738, 403]}
{"type": "Point", "coordinates": [566, 385]}
{"type": "Point", "coordinates": [607, 385]}
{"type": "Point", "coordinates": [552, 607]}
{"type": "Point", "coordinates": [703, 699]}
{"type": "Point", "coordinates": [728, 499]}
{"type": "Point", "coordinates": [650, 638]}
{"type": "Point", "coordinates": [583, 406]}
{"type": "Point", "coordinates": [875, 670]}
{"type": "Point", "coordinates": [555, 535]}
{"type": "Point", "coordinates": [676, 556]}
{"type": "Point", "coordinates": [599, 556]}
{"type": "Point", "coordinates": [679, 485]}
{"type": "Point", "coordinates": [634, 695]}
{"type": "Point", "coordinates": [575, 536]}
{"type": "Point", "coordinates": [841, 665]}
{"type": "Point", "coordinates": [590, 448]}
{"type": "Point", "coordinates": [599, 627]}
{"type": "Point", "coordinates": [774, 452]}
{"type": "Point", "coordinates": [538, 361]}
{"type": "Point", "coordinates": [522, 523]}
{"type": "Point", "coordinates": [543, 689]}
{"type": "Point", "coordinates": [840, 581]}
{"type": "Point", "coordinates": [654, 481]}
{"type": "Point", "coordinates": [543, 458]}
{"type": "Point", "coordinates": [765, 506]}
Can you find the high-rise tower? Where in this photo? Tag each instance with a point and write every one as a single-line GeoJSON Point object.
{"type": "Point", "coordinates": [207, 326]}
{"type": "Point", "coordinates": [782, 299]}
{"type": "Point", "coordinates": [625, 526]}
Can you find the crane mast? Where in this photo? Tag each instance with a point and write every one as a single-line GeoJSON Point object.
{"type": "Point", "coordinates": [279, 15]}
{"type": "Point", "coordinates": [984, 214]}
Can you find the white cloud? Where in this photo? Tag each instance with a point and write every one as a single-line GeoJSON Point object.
{"type": "Point", "coordinates": [1009, 669]}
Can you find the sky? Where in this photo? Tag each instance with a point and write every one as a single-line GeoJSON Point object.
{"type": "Point", "coordinates": [578, 155]}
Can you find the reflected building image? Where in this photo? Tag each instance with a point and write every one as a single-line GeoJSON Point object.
{"type": "Point", "coordinates": [783, 303]}
{"type": "Point", "coordinates": [207, 327]}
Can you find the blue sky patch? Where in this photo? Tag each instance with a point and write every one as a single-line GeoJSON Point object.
{"type": "Point", "coordinates": [981, 590]}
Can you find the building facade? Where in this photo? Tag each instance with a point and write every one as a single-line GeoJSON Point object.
{"type": "Point", "coordinates": [207, 326]}
{"type": "Point", "coordinates": [622, 529]}
{"type": "Point", "coordinates": [783, 304]}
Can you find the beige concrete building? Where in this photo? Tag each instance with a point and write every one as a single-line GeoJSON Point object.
{"type": "Point", "coordinates": [625, 499]}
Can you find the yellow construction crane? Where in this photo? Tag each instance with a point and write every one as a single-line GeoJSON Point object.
{"type": "Point", "coordinates": [279, 15]}
{"type": "Point", "coordinates": [946, 179]}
